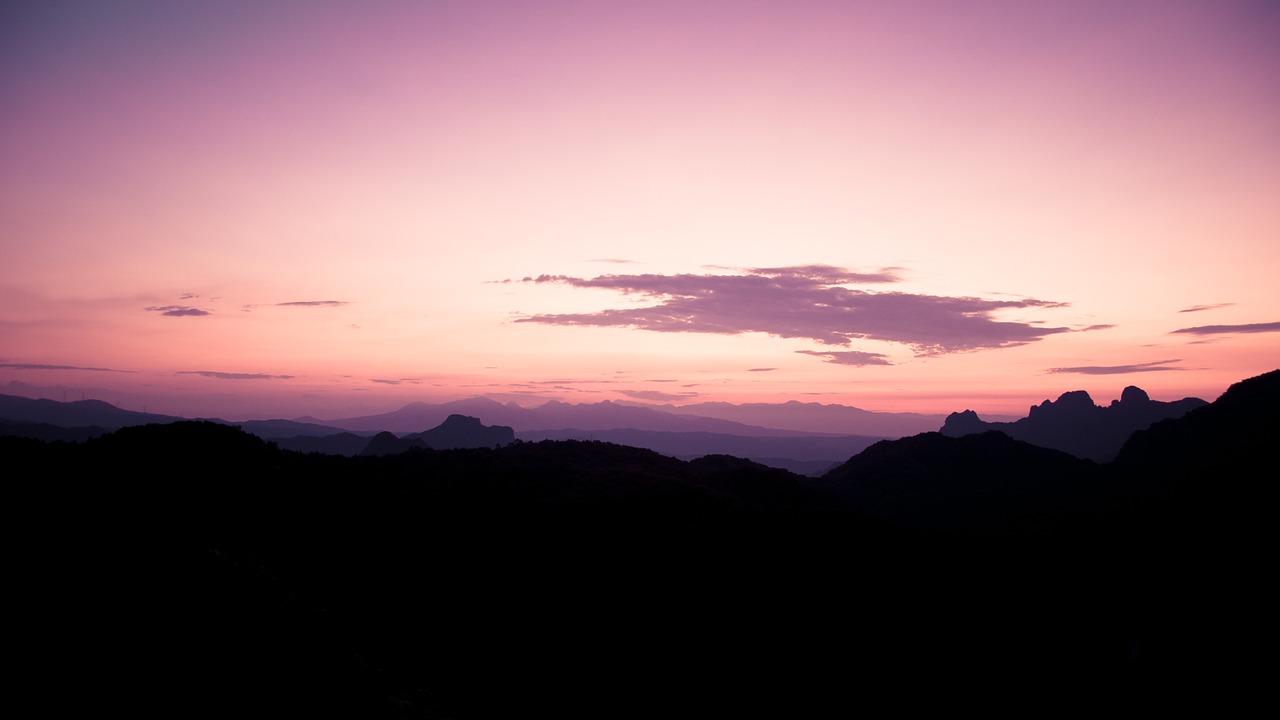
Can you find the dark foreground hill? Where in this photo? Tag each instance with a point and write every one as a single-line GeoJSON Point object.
{"type": "Point", "coordinates": [194, 568]}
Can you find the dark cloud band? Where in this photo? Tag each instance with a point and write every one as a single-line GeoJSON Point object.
{"type": "Point", "coordinates": [39, 366]}
{"type": "Point", "coordinates": [1157, 366]}
{"type": "Point", "coordinates": [1227, 329]}
{"type": "Point", "coordinates": [811, 302]}
{"type": "Point", "coordinates": [177, 311]}
{"type": "Point", "coordinates": [234, 375]}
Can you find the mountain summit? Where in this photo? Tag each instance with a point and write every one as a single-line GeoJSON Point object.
{"type": "Point", "coordinates": [1074, 424]}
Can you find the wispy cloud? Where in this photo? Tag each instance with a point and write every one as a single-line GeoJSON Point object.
{"type": "Point", "coordinates": [1157, 366]}
{"type": "Point", "coordinates": [811, 302]}
{"type": "Point", "coordinates": [849, 357]}
{"type": "Point", "coordinates": [1202, 308]}
{"type": "Point", "coordinates": [39, 366]}
{"type": "Point", "coordinates": [1225, 329]}
{"type": "Point", "coordinates": [178, 310]}
{"type": "Point", "coordinates": [761, 369]}
{"type": "Point", "coordinates": [314, 303]}
{"type": "Point", "coordinates": [234, 375]}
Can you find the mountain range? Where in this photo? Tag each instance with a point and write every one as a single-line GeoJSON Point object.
{"type": "Point", "coordinates": [1074, 424]}
{"type": "Point", "coordinates": [800, 437]}
{"type": "Point", "coordinates": [191, 565]}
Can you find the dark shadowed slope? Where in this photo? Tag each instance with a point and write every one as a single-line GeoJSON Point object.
{"type": "Point", "coordinates": [1222, 440]}
{"type": "Point", "coordinates": [1075, 425]}
{"type": "Point", "coordinates": [987, 482]}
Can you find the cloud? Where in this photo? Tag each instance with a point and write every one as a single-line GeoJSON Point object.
{"type": "Point", "coordinates": [808, 301]}
{"type": "Point", "coordinates": [761, 369]}
{"type": "Point", "coordinates": [1157, 366]}
{"type": "Point", "coordinates": [313, 303]}
{"type": "Point", "coordinates": [1096, 327]}
{"type": "Point", "coordinates": [235, 375]}
{"type": "Point", "coordinates": [1223, 329]}
{"type": "Point", "coordinates": [657, 395]}
{"type": "Point", "coordinates": [1201, 308]}
{"type": "Point", "coordinates": [177, 310]}
{"type": "Point", "coordinates": [828, 274]}
{"type": "Point", "coordinates": [38, 366]}
{"type": "Point", "coordinates": [849, 357]}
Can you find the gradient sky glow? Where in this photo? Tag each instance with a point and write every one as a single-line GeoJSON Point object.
{"type": "Point", "coordinates": [269, 209]}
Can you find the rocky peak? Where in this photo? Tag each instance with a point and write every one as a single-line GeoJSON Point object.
{"type": "Point", "coordinates": [1132, 394]}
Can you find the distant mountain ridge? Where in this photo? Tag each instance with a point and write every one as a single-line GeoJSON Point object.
{"type": "Point", "coordinates": [1074, 424]}
{"type": "Point", "coordinates": [456, 432]}
{"type": "Point", "coordinates": [606, 415]}
{"type": "Point", "coordinates": [79, 413]}
{"type": "Point", "coordinates": [814, 417]}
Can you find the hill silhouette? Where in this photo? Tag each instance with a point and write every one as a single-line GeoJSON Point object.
{"type": "Point", "coordinates": [1074, 424]}
{"type": "Point", "coordinates": [987, 482]}
{"type": "Point", "coordinates": [461, 431]}
{"type": "Point", "coordinates": [80, 413]}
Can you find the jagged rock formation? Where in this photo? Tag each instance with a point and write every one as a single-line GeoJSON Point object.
{"type": "Point", "coordinates": [1074, 424]}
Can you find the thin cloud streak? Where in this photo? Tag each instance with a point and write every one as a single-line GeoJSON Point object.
{"type": "Point", "coordinates": [234, 375]}
{"type": "Point", "coordinates": [1157, 366]}
{"type": "Point", "coordinates": [178, 310]}
{"type": "Point", "coordinates": [39, 366]}
{"type": "Point", "coordinates": [1202, 308]}
{"type": "Point", "coordinates": [849, 357]}
{"type": "Point", "coordinates": [314, 303]}
{"type": "Point", "coordinates": [1226, 329]}
{"type": "Point", "coordinates": [809, 302]}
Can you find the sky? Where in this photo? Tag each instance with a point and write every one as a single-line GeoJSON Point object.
{"type": "Point", "coordinates": [276, 209]}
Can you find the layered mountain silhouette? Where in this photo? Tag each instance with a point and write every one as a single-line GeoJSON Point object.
{"type": "Point", "coordinates": [678, 435]}
{"type": "Point", "coordinates": [1074, 424]}
{"type": "Point", "coordinates": [456, 432]}
{"type": "Point", "coordinates": [192, 565]}
{"type": "Point", "coordinates": [988, 480]}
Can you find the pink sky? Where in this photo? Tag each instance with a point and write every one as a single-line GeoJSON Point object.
{"type": "Point", "coordinates": [275, 208]}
